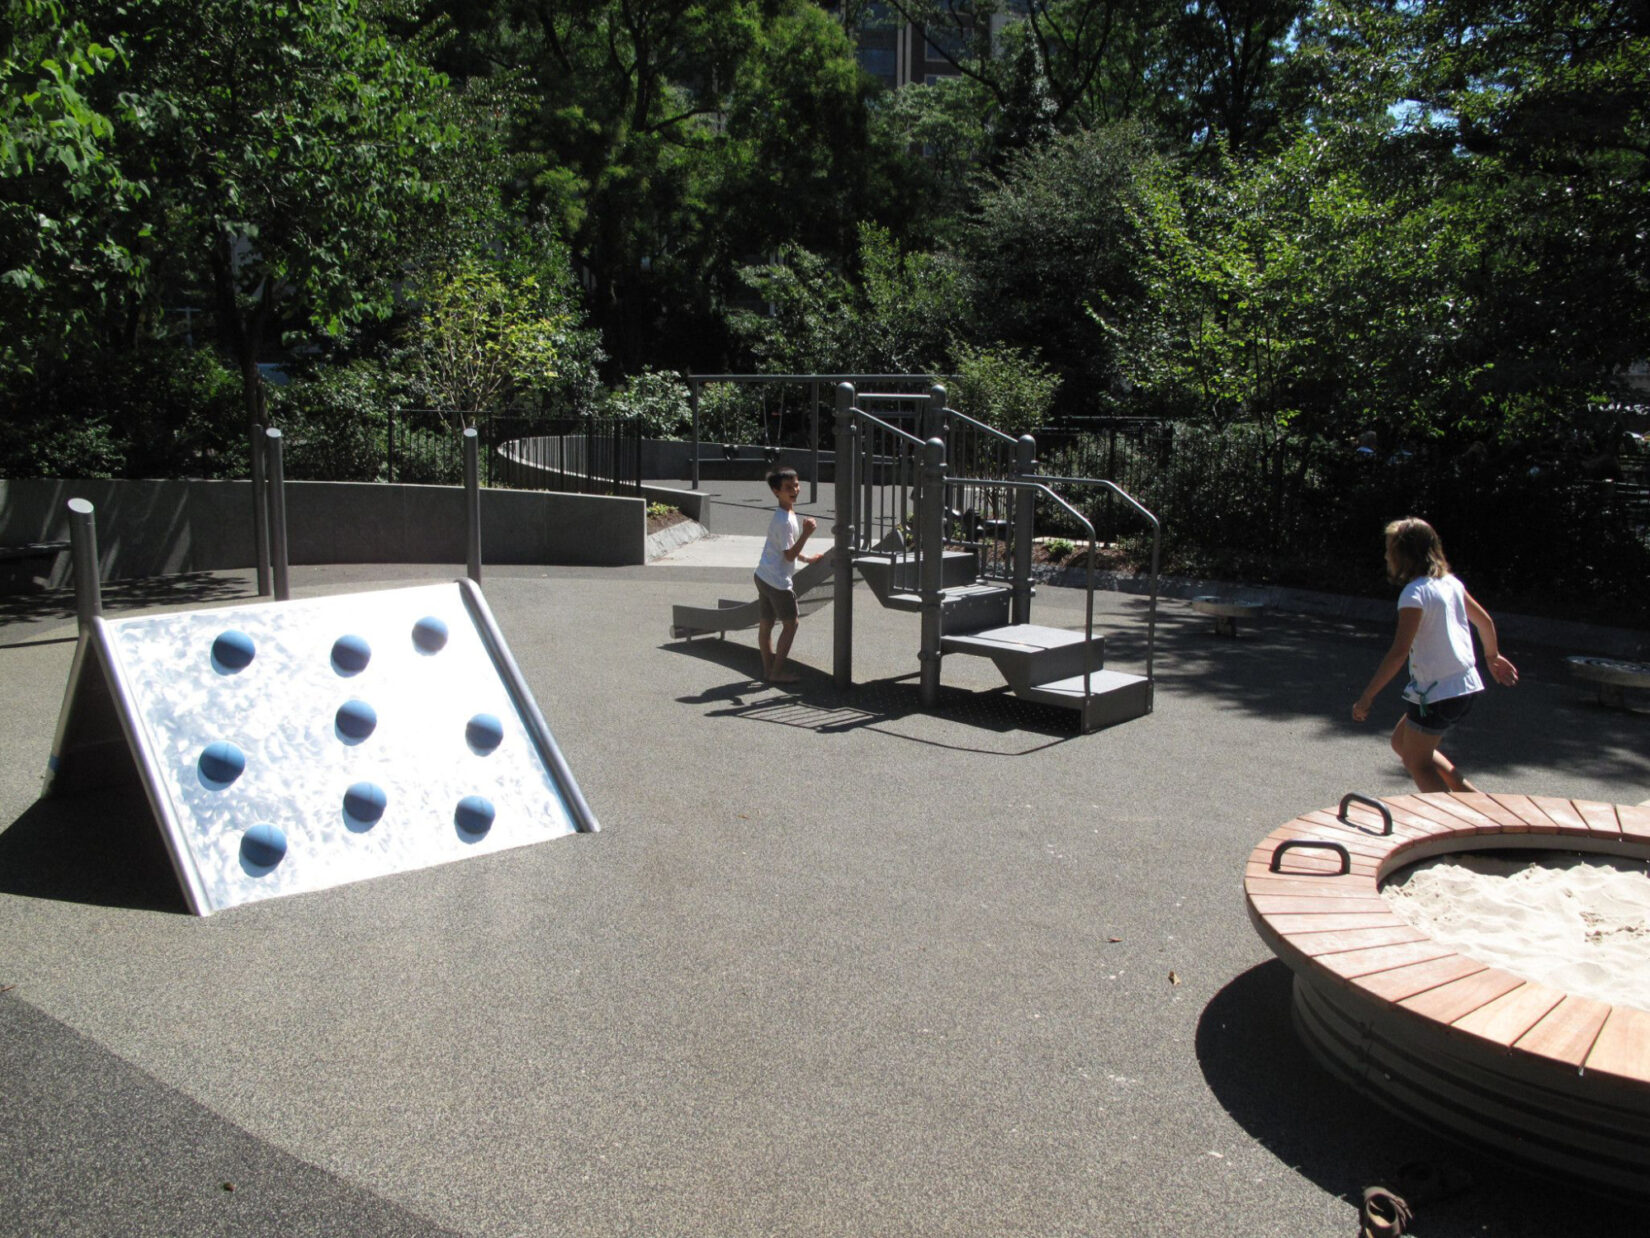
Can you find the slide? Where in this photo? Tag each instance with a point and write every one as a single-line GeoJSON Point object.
{"type": "Point", "coordinates": [729, 616]}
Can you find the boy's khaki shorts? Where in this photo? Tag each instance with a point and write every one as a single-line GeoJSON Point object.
{"type": "Point", "coordinates": [775, 605]}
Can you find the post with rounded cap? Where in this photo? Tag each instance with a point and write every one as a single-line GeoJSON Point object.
{"type": "Point", "coordinates": [930, 570]}
{"type": "Point", "coordinates": [472, 503]}
{"type": "Point", "coordinates": [88, 591]}
{"type": "Point", "coordinates": [1025, 518]}
{"type": "Point", "coordinates": [693, 405]}
{"type": "Point", "coordinates": [260, 510]}
{"type": "Point", "coordinates": [933, 413]}
{"type": "Point", "coordinates": [842, 556]}
{"type": "Point", "coordinates": [277, 516]}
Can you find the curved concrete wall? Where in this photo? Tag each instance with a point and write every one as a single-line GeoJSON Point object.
{"type": "Point", "coordinates": [158, 528]}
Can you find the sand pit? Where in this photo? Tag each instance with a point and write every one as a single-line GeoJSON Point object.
{"type": "Point", "coordinates": [1476, 963]}
{"type": "Point", "coordinates": [1578, 923]}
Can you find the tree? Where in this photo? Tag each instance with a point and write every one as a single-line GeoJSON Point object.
{"type": "Point", "coordinates": [492, 329]}
{"type": "Point", "coordinates": [1063, 228]}
{"type": "Point", "coordinates": [66, 207]}
{"type": "Point", "coordinates": [292, 156]}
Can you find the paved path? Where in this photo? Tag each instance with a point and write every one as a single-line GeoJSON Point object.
{"type": "Point", "coordinates": [835, 965]}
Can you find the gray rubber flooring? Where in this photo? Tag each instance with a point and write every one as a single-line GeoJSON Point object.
{"type": "Point", "coordinates": [835, 965]}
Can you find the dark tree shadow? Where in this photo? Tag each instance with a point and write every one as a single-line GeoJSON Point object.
{"type": "Point", "coordinates": [186, 589]}
{"type": "Point", "coordinates": [1339, 1139]}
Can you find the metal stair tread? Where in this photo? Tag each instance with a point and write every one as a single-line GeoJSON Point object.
{"type": "Point", "coordinates": [1070, 691]}
{"type": "Point", "coordinates": [1014, 638]}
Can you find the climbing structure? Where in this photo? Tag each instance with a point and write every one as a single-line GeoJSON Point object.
{"type": "Point", "coordinates": [936, 513]}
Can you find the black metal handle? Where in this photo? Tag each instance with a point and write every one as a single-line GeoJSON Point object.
{"type": "Point", "coordinates": [1346, 857]}
{"type": "Point", "coordinates": [1352, 797]}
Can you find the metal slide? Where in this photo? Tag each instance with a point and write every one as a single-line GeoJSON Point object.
{"type": "Point", "coordinates": [731, 616]}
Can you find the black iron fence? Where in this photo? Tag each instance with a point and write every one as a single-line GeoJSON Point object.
{"type": "Point", "coordinates": [520, 451]}
{"type": "Point", "coordinates": [1250, 503]}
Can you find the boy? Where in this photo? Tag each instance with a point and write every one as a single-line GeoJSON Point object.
{"type": "Point", "coordinates": [780, 554]}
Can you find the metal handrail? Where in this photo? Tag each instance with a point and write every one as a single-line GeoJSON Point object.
{"type": "Point", "coordinates": [980, 425]}
{"type": "Point", "coordinates": [878, 421]}
{"type": "Point", "coordinates": [1026, 483]}
{"type": "Point", "coordinates": [1157, 538]}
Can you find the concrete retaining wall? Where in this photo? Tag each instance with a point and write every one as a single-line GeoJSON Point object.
{"type": "Point", "coordinates": [158, 528]}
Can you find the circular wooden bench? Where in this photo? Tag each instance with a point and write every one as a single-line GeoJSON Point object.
{"type": "Point", "coordinates": [1226, 612]}
{"type": "Point", "coordinates": [1611, 676]}
{"type": "Point", "coordinates": [1559, 1082]}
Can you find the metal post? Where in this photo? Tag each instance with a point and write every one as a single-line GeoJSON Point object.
{"type": "Point", "coordinates": [260, 510]}
{"type": "Point", "coordinates": [472, 504]}
{"type": "Point", "coordinates": [842, 562]}
{"type": "Point", "coordinates": [693, 401]}
{"type": "Point", "coordinates": [933, 414]}
{"type": "Point", "coordinates": [277, 515]}
{"type": "Point", "coordinates": [931, 524]}
{"type": "Point", "coordinates": [88, 591]}
{"type": "Point", "coordinates": [813, 440]}
{"type": "Point", "coordinates": [1025, 519]}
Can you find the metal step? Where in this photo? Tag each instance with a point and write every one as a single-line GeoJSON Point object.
{"type": "Point", "coordinates": [963, 608]}
{"type": "Point", "coordinates": [1115, 697]}
{"type": "Point", "coordinates": [1027, 653]}
{"type": "Point", "coordinates": [892, 572]}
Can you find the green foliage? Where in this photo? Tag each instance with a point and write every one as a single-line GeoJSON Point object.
{"type": "Point", "coordinates": [658, 400]}
{"type": "Point", "coordinates": [159, 411]}
{"type": "Point", "coordinates": [730, 413]}
{"type": "Point", "coordinates": [1057, 549]}
{"type": "Point", "coordinates": [479, 340]}
{"type": "Point", "coordinates": [1004, 387]}
{"type": "Point", "coordinates": [334, 421]}
{"type": "Point", "coordinates": [67, 237]}
{"type": "Point", "coordinates": [899, 319]}
{"type": "Point", "coordinates": [294, 151]}
{"type": "Point", "coordinates": [1064, 228]}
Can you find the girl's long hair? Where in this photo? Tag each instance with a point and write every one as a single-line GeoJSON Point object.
{"type": "Point", "coordinates": [1415, 549]}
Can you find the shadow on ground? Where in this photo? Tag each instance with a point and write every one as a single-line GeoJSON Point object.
{"type": "Point", "coordinates": [189, 589]}
{"type": "Point", "coordinates": [817, 704]}
{"type": "Point", "coordinates": [1267, 1081]}
{"type": "Point", "coordinates": [101, 848]}
{"type": "Point", "coordinates": [1303, 666]}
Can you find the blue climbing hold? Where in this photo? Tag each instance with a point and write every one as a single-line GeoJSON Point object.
{"type": "Point", "coordinates": [474, 817]}
{"type": "Point", "coordinates": [484, 733]}
{"type": "Point", "coordinates": [262, 848]}
{"type": "Point", "coordinates": [429, 634]}
{"type": "Point", "coordinates": [364, 804]}
{"type": "Point", "coordinates": [221, 764]}
{"type": "Point", "coordinates": [350, 655]}
{"type": "Point", "coordinates": [355, 721]}
{"type": "Point", "coordinates": [232, 651]}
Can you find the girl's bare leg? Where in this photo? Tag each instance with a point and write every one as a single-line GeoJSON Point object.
{"type": "Point", "coordinates": [1431, 769]}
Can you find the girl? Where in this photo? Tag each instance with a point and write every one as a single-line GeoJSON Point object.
{"type": "Point", "coordinates": [1434, 610]}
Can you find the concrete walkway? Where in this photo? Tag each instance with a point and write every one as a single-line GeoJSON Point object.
{"type": "Point", "coordinates": [835, 965]}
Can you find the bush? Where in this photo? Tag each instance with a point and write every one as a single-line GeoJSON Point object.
{"type": "Point", "coordinates": [658, 399]}
{"type": "Point", "coordinates": [159, 410]}
{"type": "Point", "coordinates": [334, 422]}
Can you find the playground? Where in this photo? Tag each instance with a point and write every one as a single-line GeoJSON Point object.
{"type": "Point", "coordinates": [839, 962]}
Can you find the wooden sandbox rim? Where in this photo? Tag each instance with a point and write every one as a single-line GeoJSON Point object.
{"type": "Point", "coordinates": [1335, 930]}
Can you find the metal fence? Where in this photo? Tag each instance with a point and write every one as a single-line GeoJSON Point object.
{"type": "Point", "coordinates": [520, 451]}
{"type": "Point", "coordinates": [1247, 500]}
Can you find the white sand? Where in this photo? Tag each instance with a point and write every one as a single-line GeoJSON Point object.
{"type": "Point", "coordinates": [1580, 923]}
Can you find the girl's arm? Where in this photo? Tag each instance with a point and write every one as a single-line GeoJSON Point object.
{"type": "Point", "coordinates": [1409, 623]}
{"type": "Point", "coordinates": [1506, 674]}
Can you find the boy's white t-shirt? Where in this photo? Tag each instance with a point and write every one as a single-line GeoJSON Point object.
{"type": "Point", "coordinates": [1442, 662]}
{"type": "Point", "coordinates": [774, 568]}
